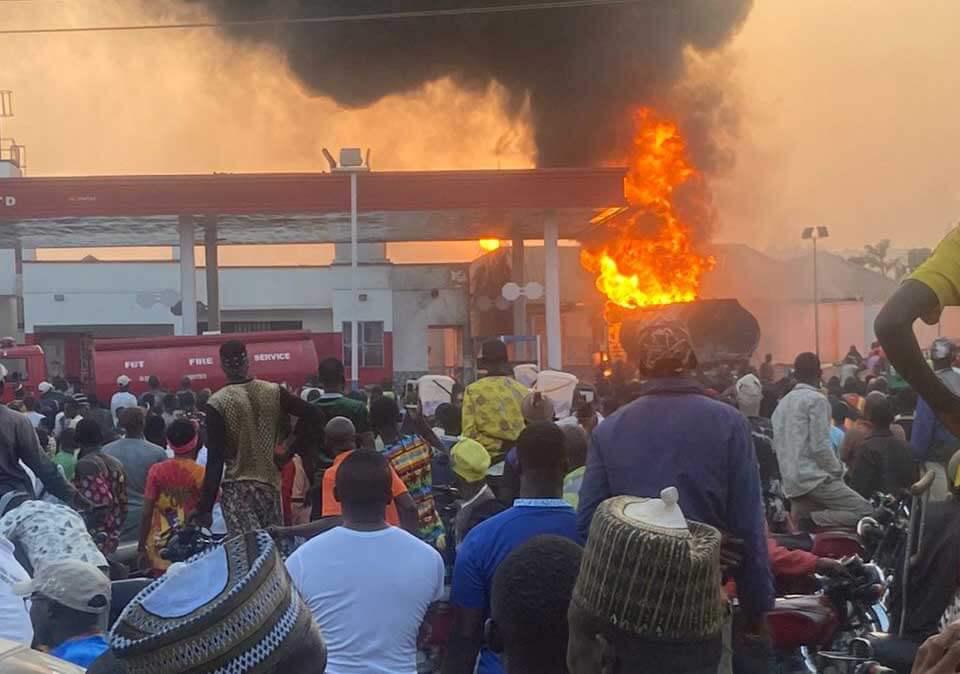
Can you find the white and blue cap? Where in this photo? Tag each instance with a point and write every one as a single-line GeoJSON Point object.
{"type": "Point", "coordinates": [230, 609]}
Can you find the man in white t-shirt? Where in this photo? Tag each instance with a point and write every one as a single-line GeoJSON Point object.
{"type": "Point", "coordinates": [369, 585]}
{"type": "Point", "coordinates": [122, 398]}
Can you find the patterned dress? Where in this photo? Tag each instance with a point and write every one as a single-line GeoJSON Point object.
{"type": "Point", "coordinates": [174, 486]}
{"type": "Point", "coordinates": [411, 458]}
{"type": "Point", "coordinates": [492, 415]}
{"type": "Point", "coordinates": [100, 478]}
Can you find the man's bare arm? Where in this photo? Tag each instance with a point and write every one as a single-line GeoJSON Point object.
{"type": "Point", "coordinates": [310, 529]}
{"type": "Point", "coordinates": [466, 638]}
{"type": "Point", "coordinates": [407, 511]}
{"type": "Point", "coordinates": [894, 328]}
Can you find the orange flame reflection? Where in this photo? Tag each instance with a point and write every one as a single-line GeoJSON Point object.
{"type": "Point", "coordinates": [644, 265]}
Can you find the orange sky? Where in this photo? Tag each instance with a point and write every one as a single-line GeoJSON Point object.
{"type": "Point", "coordinates": [850, 121]}
{"type": "Point", "coordinates": [849, 116]}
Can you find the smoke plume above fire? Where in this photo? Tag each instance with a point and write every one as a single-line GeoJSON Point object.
{"type": "Point", "coordinates": [582, 70]}
{"type": "Point", "coordinates": [587, 77]}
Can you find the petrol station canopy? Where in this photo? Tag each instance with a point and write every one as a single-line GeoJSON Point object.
{"type": "Point", "coordinates": [99, 211]}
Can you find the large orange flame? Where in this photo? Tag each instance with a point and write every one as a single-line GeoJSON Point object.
{"type": "Point", "coordinates": [651, 257]}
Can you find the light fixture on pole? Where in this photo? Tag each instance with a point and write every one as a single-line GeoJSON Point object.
{"type": "Point", "coordinates": [813, 234]}
{"type": "Point", "coordinates": [352, 162]}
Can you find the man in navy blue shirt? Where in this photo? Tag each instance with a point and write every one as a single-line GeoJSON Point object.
{"type": "Point", "coordinates": [540, 509]}
{"type": "Point", "coordinates": [933, 443]}
{"type": "Point", "coordinates": [675, 435]}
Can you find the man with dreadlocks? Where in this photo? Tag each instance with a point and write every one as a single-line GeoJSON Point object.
{"type": "Point", "coordinates": [673, 434]}
{"type": "Point", "coordinates": [246, 420]}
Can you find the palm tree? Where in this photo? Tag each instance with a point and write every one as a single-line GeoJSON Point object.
{"type": "Point", "coordinates": [875, 257]}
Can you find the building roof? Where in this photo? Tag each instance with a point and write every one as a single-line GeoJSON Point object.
{"type": "Point", "coordinates": [305, 208]}
{"type": "Point", "coordinates": [743, 272]}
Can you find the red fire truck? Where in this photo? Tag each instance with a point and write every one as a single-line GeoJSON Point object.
{"type": "Point", "coordinates": [25, 365]}
{"type": "Point", "coordinates": [289, 356]}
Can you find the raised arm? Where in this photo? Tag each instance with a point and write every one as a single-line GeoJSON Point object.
{"type": "Point", "coordinates": [216, 457]}
{"type": "Point", "coordinates": [894, 328]}
{"type": "Point", "coordinates": [292, 404]}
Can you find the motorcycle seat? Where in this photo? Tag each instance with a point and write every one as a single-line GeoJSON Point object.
{"type": "Point", "coordinates": [890, 651]}
{"type": "Point", "coordinates": [794, 541]}
{"type": "Point", "coordinates": [801, 621]}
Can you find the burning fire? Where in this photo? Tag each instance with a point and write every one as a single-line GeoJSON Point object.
{"type": "Point", "coordinates": [651, 259]}
{"type": "Point", "coordinates": [489, 245]}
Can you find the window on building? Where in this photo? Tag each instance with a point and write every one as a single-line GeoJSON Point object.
{"type": "Point", "coordinates": [227, 327]}
{"type": "Point", "coordinates": [16, 369]}
{"type": "Point", "coordinates": [370, 339]}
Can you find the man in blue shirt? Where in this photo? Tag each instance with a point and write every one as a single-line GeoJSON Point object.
{"type": "Point", "coordinates": [933, 444]}
{"type": "Point", "coordinates": [675, 435]}
{"type": "Point", "coordinates": [69, 600]}
{"type": "Point", "coordinates": [540, 509]}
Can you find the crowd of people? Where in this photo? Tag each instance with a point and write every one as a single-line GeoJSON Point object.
{"type": "Point", "coordinates": [358, 535]}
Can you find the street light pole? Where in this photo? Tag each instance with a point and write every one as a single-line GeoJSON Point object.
{"type": "Point", "coordinates": [815, 233]}
{"type": "Point", "coordinates": [355, 324]}
{"type": "Point", "coordinates": [816, 301]}
{"type": "Point", "coordinates": [352, 162]}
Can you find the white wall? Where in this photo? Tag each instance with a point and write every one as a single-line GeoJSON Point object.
{"type": "Point", "coordinates": [98, 294]}
{"type": "Point", "coordinates": [416, 310]}
{"type": "Point", "coordinates": [8, 294]}
{"type": "Point", "coordinates": [8, 272]}
{"type": "Point", "coordinates": [114, 293]}
{"type": "Point", "coordinates": [270, 288]}
{"type": "Point", "coordinates": [377, 307]}
{"type": "Point", "coordinates": [8, 316]}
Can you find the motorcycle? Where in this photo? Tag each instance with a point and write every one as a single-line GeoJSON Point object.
{"type": "Point", "coordinates": [832, 543]}
{"type": "Point", "coordinates": [822, 626]}
{"type": "Point", "coordinates": [180, 543]}
{"type": "Point", "coordinates": [885, 533]}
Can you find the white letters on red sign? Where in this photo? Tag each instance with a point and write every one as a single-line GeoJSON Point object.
{"type": "Point", "coordinates": [262, 357]}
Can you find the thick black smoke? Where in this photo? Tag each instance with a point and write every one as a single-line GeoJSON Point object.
{"type": "Point", "coordinates": [583, 69]}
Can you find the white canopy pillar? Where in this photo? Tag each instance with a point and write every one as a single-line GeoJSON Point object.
{"type": "Point", "coordinates": [188, 277]}
{"type": "Point", "coordinates": [517, 276]}
{"type": "Point", "coordinates": [551, 276]}
{"type": "Point", "coordinates": [211, 255]}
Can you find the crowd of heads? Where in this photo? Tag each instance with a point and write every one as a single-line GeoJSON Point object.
{"type": "Point", "coordinates": [548, 611]}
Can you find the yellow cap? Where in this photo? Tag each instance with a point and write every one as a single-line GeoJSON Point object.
{"type": "Point", "coordinates": [470, 460]}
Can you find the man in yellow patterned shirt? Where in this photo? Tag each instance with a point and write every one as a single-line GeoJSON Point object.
{"type": "Point", "coordinates": [932, 287]}
{"type": "Point", "coordinates": [491, 405]}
